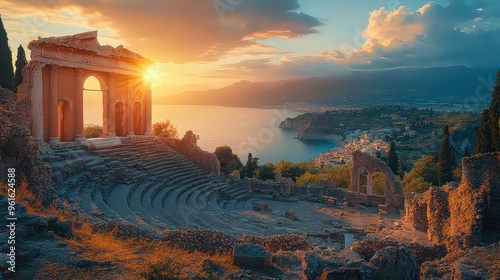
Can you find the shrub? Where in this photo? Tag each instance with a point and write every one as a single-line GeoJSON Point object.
{"type": "Point", "coordinates": [165, 129]}
{"type": "Point", "coordinates": [162, 271]}
{"type": "Point", "coordinates": [92, 131]}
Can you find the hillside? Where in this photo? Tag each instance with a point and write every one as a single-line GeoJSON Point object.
{"type": "Point", "coordinates": [408, 86]}
{"type": "Point", "coordinates": [417, 131]}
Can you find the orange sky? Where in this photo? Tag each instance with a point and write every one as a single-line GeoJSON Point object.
{"type": "Point", "coordinates": [201, 44]}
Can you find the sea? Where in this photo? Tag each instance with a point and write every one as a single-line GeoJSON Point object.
{"type": "Point", "coordinates": [245, 130]}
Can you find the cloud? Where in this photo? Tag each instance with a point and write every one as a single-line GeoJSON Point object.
{"type": "Point", "coordinates": [190, 30]}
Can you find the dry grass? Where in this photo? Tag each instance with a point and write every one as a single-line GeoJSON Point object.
{"type": "Point", "coordinates": [117, 256]}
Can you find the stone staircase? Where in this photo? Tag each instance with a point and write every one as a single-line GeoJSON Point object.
{"type": "Point", "coordinates": [145, 184]}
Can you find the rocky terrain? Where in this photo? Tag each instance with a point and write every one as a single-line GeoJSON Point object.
{"type": "Point", "coordinates": [141, 209]}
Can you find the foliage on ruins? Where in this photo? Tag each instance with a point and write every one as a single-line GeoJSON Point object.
{"type": "Point", "coordinates": [6, 68]}
{"type": "Point", "coordinates": [165, 129]}
{"type": "Point", "coordinates": [265, 172]}
{"type": "Point", "coordinates": [92, 131]}
{"type": "Point", "coordinates": [20, 63]}
{"type": "Point", "coordinates": [229, 161]}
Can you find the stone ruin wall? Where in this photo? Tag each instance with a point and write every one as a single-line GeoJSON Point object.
{"type": "Point", "coordinates": [457, 215]}
{"type": "Point", "coordinates": [393, 197]}
{"type": "Point", "coordinates": [188, 147]}
{"type": "Point", "coordinates": [18, 148]}
{"type": "Point", "coordinates": [216, 241]}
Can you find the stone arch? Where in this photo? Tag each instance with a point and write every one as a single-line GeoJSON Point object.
{"type": "Point", "coordinates": [64, 120]}
{"type": "Point", "coordinates": [120, 119]}
{"type": "Point", "coordinates": [393, 195]}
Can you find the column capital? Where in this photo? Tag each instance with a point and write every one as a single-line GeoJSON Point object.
{"type": "Point", "coordinates": [39, 65]}
{"type": "Point", "coordinates": [54, 68]}
{"type": "Point", "coordinates": [79, 71]}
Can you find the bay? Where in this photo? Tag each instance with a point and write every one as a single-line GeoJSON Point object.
{"type": "Point", "coordinates": [245, 130]}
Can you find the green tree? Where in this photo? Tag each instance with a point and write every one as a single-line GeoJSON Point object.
{"type": "Point", "coordinates": [402, 168]}
{"type": "Point", "coordinates": [484, 142]}
{"type": "Point", "coordinates": [266, 172]}
{"type": "Point", "coordinates": [228, 161]}
{"type": "Point", "coordinates": [494, 111]}
{"type": "Point", "coordinates": [378, 183]}
{"type": "Point", "coordinates": [446, 158]}
{"type": "Point", "coordinates": [291, 170]}
{"type": "Point", "coordinates": [425, 168]}
{"type": "Point", "coordinates": [250, 167]}
{"type": "Point", "coordinates": [92, 131]}
{"type": "Point", "coordinates": [392, 158]}
{"type": "Point", "coordinates": [20, 63]}
{"type": "Point", "coordinates": [6, 68]}
{"type": "Point", "coordinates": [415, 184]}
{"type": "Point", "coordinates": [165, 129]}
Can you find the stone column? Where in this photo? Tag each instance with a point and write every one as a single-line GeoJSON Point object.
{"type": "Point", "coordinates": [369, 183]}
{"type": "Point", "coordinates": [111, 105]}
{"type": "Point", "coordinates": [130, 111]}
{"type": "Point", "coordinates": [53, 117]}
{"type": "Point", "coordinates": [149, 109]}
{"type": "Point", "coordinates": [79, 105]}
{"type": "Point", "coordinates": [105, 112]}
{"type": "Point", "coordinates": [37, 102]}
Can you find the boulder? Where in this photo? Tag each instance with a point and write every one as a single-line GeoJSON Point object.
{"type": "Point", "coordinates": [289, 214]}
{"type": "Point", "coordinates": [261, 207]}
{"type": "Point", "coordinates": [343, 273]}
{"type": "Point", "coordinates": [395, 263]}
{"type": "Point", "coordinates": [252, 255]}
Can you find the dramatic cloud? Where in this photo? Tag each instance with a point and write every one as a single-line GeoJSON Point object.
{"type": "Point", "coordinates": [459, 33]}
{"type": "Point", "coordinates": [435, 35]}
{"type": "Point", "coordinates": [189, 30]}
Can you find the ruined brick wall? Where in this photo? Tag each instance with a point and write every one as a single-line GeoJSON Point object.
{"type": "Point", "coordinates": [416, 210]}
{"type": "Point", "coordinates": [457, 215]}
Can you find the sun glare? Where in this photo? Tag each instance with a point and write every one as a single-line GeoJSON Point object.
{"type": "Point", "coordinates": [151, 75]}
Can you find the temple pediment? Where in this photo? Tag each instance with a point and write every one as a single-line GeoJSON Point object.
{"type": "Point", "coordinates": [84, 48]}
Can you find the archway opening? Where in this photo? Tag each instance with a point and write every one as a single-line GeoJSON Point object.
{"type": "Point", "coordinates": [119, 117]}
{"type": "Point", "coordinates": [63, 121]}
{"type": "Point", "coordinates": [379, 183]}
{"type": "Point", "coordinates": [92, 108]}
{"type": "Point", "coordinates": [138, 130]}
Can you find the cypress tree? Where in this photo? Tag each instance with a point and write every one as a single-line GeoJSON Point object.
{"type": "Point", "coordinates": [446, 158]}
{"type": "Point", "coordinates": [392, 158]}
{"type": "Point", "coordinates": [250, 170]}
{"type": "Point", "coordinates": [20, 63]}
{"type": "Point", "coordinates": [494, 112]}
{"type": "Point", "coordinates": [484, 139]}
{"type": "Point", "coordinates": [6, 69]}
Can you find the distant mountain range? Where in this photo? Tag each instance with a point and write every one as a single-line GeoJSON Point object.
{"type": "Point", "coordinates": [400, 86]}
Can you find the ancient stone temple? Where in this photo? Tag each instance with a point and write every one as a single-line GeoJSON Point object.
{"type": "Point", "coordinates": [393, 195]}
{"type": "Point", "coordinates": [57, 71]}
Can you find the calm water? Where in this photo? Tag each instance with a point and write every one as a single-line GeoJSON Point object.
{"type": "Point", "coordinates": [245, 130]}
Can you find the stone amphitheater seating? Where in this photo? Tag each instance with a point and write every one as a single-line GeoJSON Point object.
{"type": "Point", "coordinates": [144, 183]}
